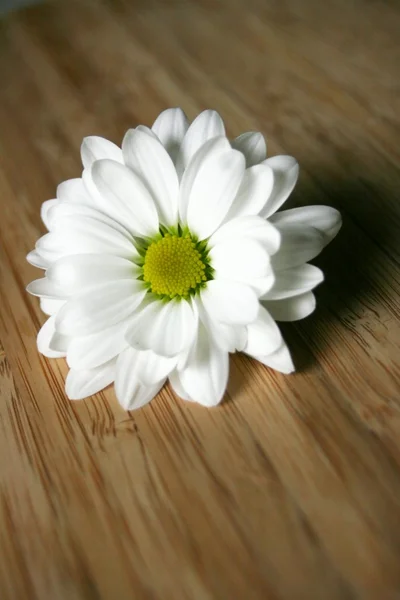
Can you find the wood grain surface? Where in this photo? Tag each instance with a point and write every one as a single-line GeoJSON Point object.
{"type": "Point", "coordinates": [291, 488]}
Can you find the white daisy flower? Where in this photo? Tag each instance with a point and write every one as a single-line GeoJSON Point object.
{"type": "Point", "coordinates": [168, 254]}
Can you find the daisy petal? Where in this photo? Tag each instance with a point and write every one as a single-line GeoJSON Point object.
{"type": "Point", "coordinates": [286, 172]}
{"type": "Point", "coordinates": [149, 159]}
{"type": "Point", "coordinates": [73, 190]}
{"type": "Point", "coordinates": [76, 273]}
{"type": "Point", "coordinates": [44, 209]}
{"type": "Point", "coordinates": [170, 127]}
{"type": "Point", "coordinates": [205, 375]}
{"type": "Point", "coordinates": [50, 306]}
{"type": "Point", "coordinates": [57, 213]}
{"type": "Point", "coordinates": [239, 260]}
{"type": "Point", "coordinates": [127, 199]}
{"type": "Point", "coordinates": [86, 235]}
{"type": "Point", "coordinates": [36, 260]}
{"type": "Point", "coordinates": [166, 328]}
{"type": "Point", "coordinates": [131, 393]}
{"type": "Point", "coordinates": [263, 336]}
{"type": "Point", "coordinates": [230, 302]}
{"type": "Point", "coordinates": [213, 147]}
{"type": "Point", "coordinates": [262, 285]}
{"type": "Point", "coordinates": [100, 307]}
{"type": "Point", "coordinates": [324, 218]}
{"type": "Point", "coordinates": [96, 199]}
{"type": "Point", "coordinates": [90, 351]}
{"type": "Point", "coordinates": [43, 340]}
{"type": "Point", "coordinates": [86, 382]}
{"type": "Point", "coordinates": [154, 368]}
{"type": "Point", "coordinates": [251, 227]}
{"type": "Point", "coordinates": [46, 289]}
{"type": "Point", "coordinates": [253, 193]}
{"type": "Point", "coordinates": [50, 248]}
{"type": "Point", "coordinates": [252, 145]}
{"type": "Point", "coordinates": [176, 384]}
{"type": "Point", "coordinates": [59, 343]}
{"type": "Point", "coordinates": [211, 183]}
{"type": "Point", "coordinates": [229, 338]}
{"type": "Point", "coordinates": [206, 125]}
{"type": "Point", "coordinates": [299, 244]}
{"type": "Point", "coordinates": [95, 148]}
{"type": "Point", "coordinates": [149, 131]}
{"type": "Point", "coordinates": [291, 309]}
{"type": "Point", "coordinates": [295, 281]}
{"type": "Point", "coordinates": [280, 360]}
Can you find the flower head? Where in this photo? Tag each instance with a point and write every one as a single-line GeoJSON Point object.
{"type": "Point", "coordinates": [168, 254]}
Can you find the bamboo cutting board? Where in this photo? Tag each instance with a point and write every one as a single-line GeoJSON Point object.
{"type": "Point", "coordinates": [291, 488]}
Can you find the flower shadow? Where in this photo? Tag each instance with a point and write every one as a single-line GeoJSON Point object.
{"type": "Point", "coordinates": [353, 265]}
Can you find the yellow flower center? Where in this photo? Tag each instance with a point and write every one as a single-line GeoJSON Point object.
{"type": "Point", "coordinates": [173, 266]}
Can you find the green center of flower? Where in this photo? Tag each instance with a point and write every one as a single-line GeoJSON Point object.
{"type": "Point", "coordinates": [175, 265]}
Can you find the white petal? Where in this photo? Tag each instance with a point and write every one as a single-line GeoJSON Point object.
{"type": "Point", "coordinates": [167, 328]}
{"type": "Point", "coordinates": [252, 227]}
{"type": "Point", "coordinates": [170, 127]}
{"type": "Point", "coordinates": [45, 289]}
{"type": "Point", "coordinates": [59, 343]}
{"type": "Point", "coordinates": [280, 360]}
{"type": "Point", "coordinates": [263, 336]}
{"type": "Point", "coordinates": [206, 125]}
{"type": "Point", "coordinates": [43, 340]}
{"type": "Point", "coordinates": [205, 375]}
{"type": "Point", "coordinates": [73, 190]}
{"type": "Point", "coordinates": [102, 202]}
{"type": "Point", "coordinates": [126, 198]}
{"type": "Point", "coordinates": [252, 145]}
{"type": "Point", "coordinates": [81, 271]}
{"type": "Point", "coordinates": [149, 132]}
{"type": "Point", "coordinates": [85, 235]}
{"type": "Point", "coordinates": [154, 368]}
{"type": "Point", "coordinates": [253, 193]}
{"type": "Point", "coordinates": [50, 306]}
{"type": "Point", "coordinates": [262, 285]}
{"type": "Point", "coordinates": [90, 351]}
{"type": "Point", "coordinates": [95, 148]}
{"type": "Point", "coordinates": [57, 214]}
{"type": "Point", "coordinates": [291, 309]}
{"type": "Point", "coordinates": [100, 307]}
{"type": "Point", "coordinates": [35, 259]}
{"type": "Point", "coordinates": [209, 187]}
{"type": "Point", "coordinates": [295, 281]}
{"type": "Point", "coordinates": [286, 172]}
{"type": "Point", "coordinates": [176, 384]}
{"type": "Point", "coordinates": [230, 302]}
{"type": "Point", "coordinates": [214, 146]}
{"type": "Point", "coordinates": [324, 218]}
{"type": "Point", "coordinates": [239, 260]}
{"type": "Point", "coordinates": [49, 247]}
{"type": "Point", "coordinates": [84, 383]}
{"type": "Point", "coordinates": [44, 209]}
{"type": "Point", "coordinates": [149, 159]}
{"type": "Point", "coordinates": [299, 244]}
{"type": "Point", "coordinates": [229, 338]}
{"type": "Point", "coordinates": [96, 199]}
{"type": "Point", "coordinates": [131, 393]}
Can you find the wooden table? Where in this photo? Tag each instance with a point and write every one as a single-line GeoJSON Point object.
{"type": "Point", "coordinates": [291, 488]}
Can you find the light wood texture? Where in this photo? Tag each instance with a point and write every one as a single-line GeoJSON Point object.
{"type": "Point", "coordinates": [291, 488]}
